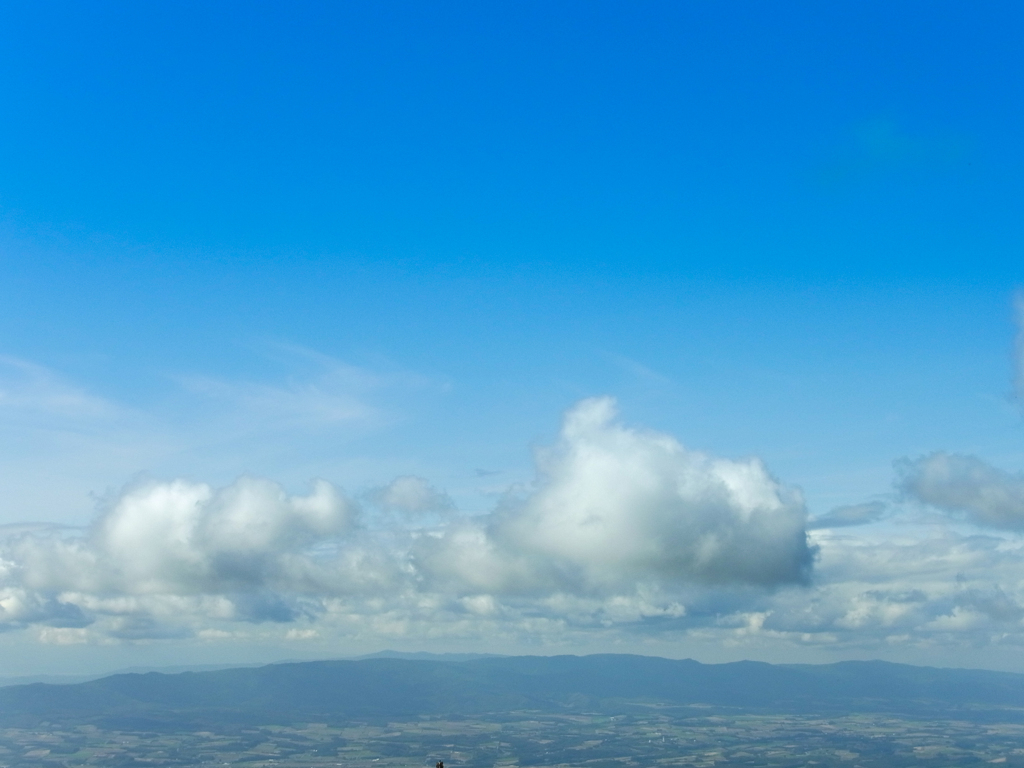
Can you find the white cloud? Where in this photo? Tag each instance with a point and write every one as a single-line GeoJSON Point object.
{"type": "Point", "coordinates": [854, 514]}
{"type": "Point", "coordinates": [615, 507]}
{"type": "Point", "coordinates": [301, 634]}
{"type": "Point", "coordinates": [63, 636]}
{"type": "Point", "coordinates": [186, 537]}
{"type": "Point", "coordinates": [411, 496]}
{"type": "Point", "coordinates": [920, 589]}
{"type": "Point", "coordinates": [161, 553]}
{"type": "Point", "coordinates": [966, 486]}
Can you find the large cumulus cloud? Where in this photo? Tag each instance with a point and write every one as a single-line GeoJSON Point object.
{"type": "Point", "coordinates": [616, 507]}
{"type": "Point", "coordinates": [180, 552]}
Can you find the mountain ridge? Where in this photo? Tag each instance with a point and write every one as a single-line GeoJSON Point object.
{"type": "Point", "coordinates": [382, 688]}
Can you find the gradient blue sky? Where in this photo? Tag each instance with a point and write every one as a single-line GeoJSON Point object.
{"type": "Point", "coordinates": [367, 241]}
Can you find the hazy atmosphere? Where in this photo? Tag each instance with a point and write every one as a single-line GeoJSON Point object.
{"type": "Point", "coordinates": [687, 329]}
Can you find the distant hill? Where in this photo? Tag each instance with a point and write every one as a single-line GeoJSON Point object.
{"type": "Point", "coordinates": [70, 679]}
{"type": "Point", "coordinates": [424, 656]}
{"type": "Point", "coordinates": [378, 689]}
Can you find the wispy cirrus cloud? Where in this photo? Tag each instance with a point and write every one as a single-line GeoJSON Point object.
{"type": "Point", "coordinates": [60, 438]}
{"type": "Point", "coordinates": [295, 404]}
{"type": "Point", "coordinates": [315, 394]}
{"type": "Point", "coordinates": [29, 390]}
{"type": "Point", "coordinates": [1018, 357]}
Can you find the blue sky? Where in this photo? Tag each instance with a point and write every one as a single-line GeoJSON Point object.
{"type": "Point", "coordinates": [403, 247]}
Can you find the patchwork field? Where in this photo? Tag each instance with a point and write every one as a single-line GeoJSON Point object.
{"type": "Point", "coordinates": [662, 737]}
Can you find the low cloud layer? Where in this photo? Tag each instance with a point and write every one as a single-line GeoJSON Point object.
{"type": "Point", "coordinates": [620, 524]}
{"type": "Point", "coordinates": [624, 535]}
